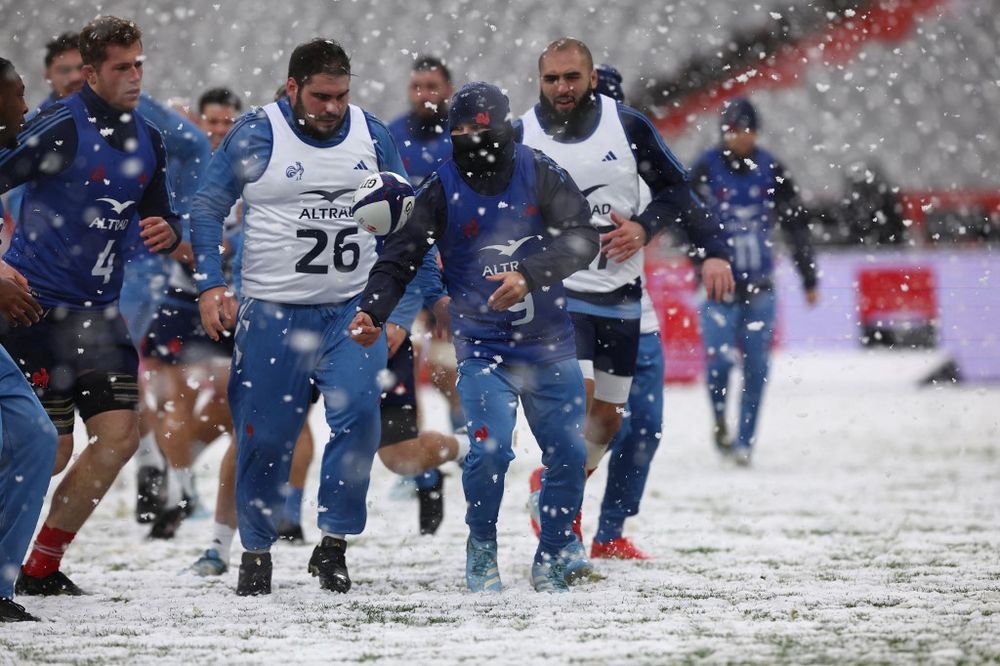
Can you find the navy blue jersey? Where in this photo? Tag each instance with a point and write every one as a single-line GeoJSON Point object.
{"type": "Point", "coordinates": [75, 224]}
{"type": "Point", "coordinates": [751, 196]}
{"type": "Point", "coordinates": [486, 235]}
{"type": "Point", "coordinates": [743, 203]}
{"type": "Point", "coordinates": [537, 224]}
{"type": "Point", "coordinates": [423, 145]}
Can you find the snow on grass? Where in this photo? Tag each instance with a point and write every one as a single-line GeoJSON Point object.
{"type": "Point", "coordinates": [868, 530]}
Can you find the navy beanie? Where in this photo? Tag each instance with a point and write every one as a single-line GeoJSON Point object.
{"type": "Point", "coordinates": [609, 82]}
{"type": "Point", "coordinates": [739, 114]}
{"type": "Point", "coordinates": [480, 103]}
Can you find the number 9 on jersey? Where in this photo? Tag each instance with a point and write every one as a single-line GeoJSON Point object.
{"type": "Point", "coordinates": [382, 203]}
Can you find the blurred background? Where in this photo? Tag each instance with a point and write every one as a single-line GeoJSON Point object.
{"type": "Point", "coordinates": [883, 111]}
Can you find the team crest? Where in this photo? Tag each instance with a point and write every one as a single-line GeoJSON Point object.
{"type": "Point", "coordinates": [295, 171]}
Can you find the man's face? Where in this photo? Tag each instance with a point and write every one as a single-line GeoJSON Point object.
{"type": "Point", "coordinates": [12, 109]}
{"type": "Point", "coordinates": [320, 104]}
{"type": "Point", "coordinates": [565, 79]}
{"type": "Point", "coordinates": [65, 74]}
{"type": "Point", "coordinates": [216, 120]}
{"type": "Point", "coordinates": [429, 92]}
{"type": "Point", "coordinates": [741, 142]}
{"type": "Point", "coordinates": [118, 80]}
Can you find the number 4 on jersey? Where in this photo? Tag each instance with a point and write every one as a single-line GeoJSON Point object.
{"type": "Point", "coordinates": [105, 264]}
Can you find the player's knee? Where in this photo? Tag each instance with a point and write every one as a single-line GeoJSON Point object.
{"type": "Point", "coordinates": [268, 441]}
{"type": "Point", "coordinates": [396, 461]}
{"type": "Point", "coordinates": [566, 453]}
{"type": "Point", "coordinates": [497, 453]}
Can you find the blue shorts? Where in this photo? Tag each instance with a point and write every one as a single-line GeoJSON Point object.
{"type": "Point", "coordinates": [81, 359]}
{"type": "Point", "coordinates": [176, 336]}
{"type": "Point", "coordinates": [612, 345]}
{"type": "Point", "coordinates": [399, 402]}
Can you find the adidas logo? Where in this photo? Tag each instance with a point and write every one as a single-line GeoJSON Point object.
{"type": "Point", "coordinates": [610, 157]}
{"type": "Point", "coordinates": [361, 166]}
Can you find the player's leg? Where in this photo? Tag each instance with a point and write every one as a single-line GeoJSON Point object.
{"type": "Point", "coordinates": [406, 451]}
{"type": "Point", "coordinates": [214, 561]}
{"type": "Point", "coordinates": [615, 351]}
{"type": "Point", "coordinates": [27, 453]}
{"type": "Point", "coordinates": [174, 436]}
{"type": "Point", "coordinates": [632, 453]}
{"type": "Point", "coordinates": [214, 419]}
{"type": "Point", "coordinates": [269, 409]}
{"type": "Point", "coordinates": [106, 394]}
{"type": "Point", "coordinates": [177, 345]}
{"type": "Point", "coordinates": [489, 400]}
{"type": "Point", "coordinates": [586, 348]}
{"type": "Point", "coordinates": [442, 367]}
{"type": "Point", "coordinates": [290, 526]}
{"type": "Point", "coordinates": [553, 398]}
{"type": "Point", "coordinates": [718, 332]}
{"type": "Point", "coordinates": [347, 377]}
{"type": "Point", "coordinates": [48, 365]}
{"type": "Point", "coordinates": [150, 464]}
{"type": "Point", "coordinates": [755, 333]}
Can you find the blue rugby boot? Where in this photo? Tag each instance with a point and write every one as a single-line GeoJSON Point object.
{"type": "Point", "coordinates": [577, 565]}
{"type": "Point", "coordinates": [210, 564]}
{"type": "Point", "coordinates": [481, 572]}
{"type": "Point", "coordinates": [548, 574]}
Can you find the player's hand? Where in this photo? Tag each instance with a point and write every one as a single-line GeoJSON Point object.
{"type": "Point", "coordinates": [363, 330]}
{"type": "Point", "coordinates": [394, 335]}
{"type": "Point", "coordinates": [17, 304]}
{"type": "Point", "coordinates": [812, 297]}
{"type": "Point", "coordinates": [625, 240]}
{"type": "Point", "coordinates": [512, 290]}
{"type": "Point", "coordinates": [442, 319]}
{"type": "Point", "coordinates": [156, 233]}
{"type": "Point", "coordinates": [9, 272]}
{"type": "Point", "coordinates": [717, 277]}
{"type": "Point", "coordinates": [218, 311]}
{"type": "Point", "coordinates": [184, 253]}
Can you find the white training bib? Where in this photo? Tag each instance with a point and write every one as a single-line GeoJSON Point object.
{"type": "Point", "coordinates": [605, 170]}
{"type": "Point", "coordinates": [300, 243]}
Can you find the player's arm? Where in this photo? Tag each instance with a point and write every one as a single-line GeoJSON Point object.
{"type": "Point", "coordinates": [566, 213]}
{"type": "Point", "coordinates": [423, 291]}
{"type": "Point", "coordinates": [188, 148]}
{"type": "Point", "coordinates": [790, 213]}
{"type": "Point", "coordinates": [242, 158]}
{"type": "Point", "coordinates": [45, 147]}
{"type": "Point", "coordinates": [672, 197]}
{"type": "Point", "coordinates": [402, 254]}
{"type": "Point", "coordinates": [159, 223]}
{"type": "Point", "coordinates": [673, 200]}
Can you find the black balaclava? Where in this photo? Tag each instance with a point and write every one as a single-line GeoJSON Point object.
{"type": "Point", "coordinates": [487, 154]}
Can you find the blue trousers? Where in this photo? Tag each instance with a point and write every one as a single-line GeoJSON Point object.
{"type": "Point", "coordinates": [279, 349]}
{"type": "Point", "coordinates": [555, 405]}
{"type": "Point", "coordinates": [748, 325]}
{"type": "Point", "coordinates": [633, 448]}
{"type": "Point", "coordinates": [27, 454]}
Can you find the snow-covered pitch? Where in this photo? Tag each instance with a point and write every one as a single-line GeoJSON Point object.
{"type": "Point", "coordinates": [868, 530]}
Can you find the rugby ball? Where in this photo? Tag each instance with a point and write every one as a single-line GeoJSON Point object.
{"type": "Point", "coordinates": [382, 203]}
